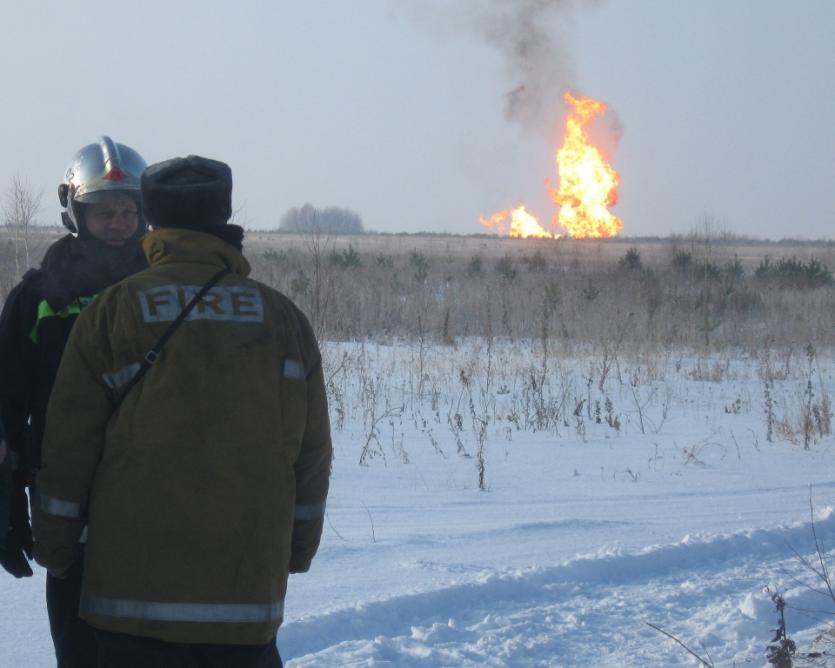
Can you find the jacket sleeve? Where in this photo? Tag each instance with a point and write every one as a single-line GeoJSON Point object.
{"type": "Point", "coordinates": [78, 411]}
{"type": "Point", "coordinates": [18, 375]}
{"type": "Point", "coordinates": [5, 487]}
{"type": "Point", "coordinates": [18, 368]}
{"type": "Point", "coordinates": [312, 468]}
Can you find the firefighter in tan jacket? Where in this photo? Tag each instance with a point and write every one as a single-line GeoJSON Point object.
{"type": "Point", "coordinates": [202, 483]}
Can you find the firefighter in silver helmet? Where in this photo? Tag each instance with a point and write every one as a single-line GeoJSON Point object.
{"type": "Point", "coordinates": [100, 198]}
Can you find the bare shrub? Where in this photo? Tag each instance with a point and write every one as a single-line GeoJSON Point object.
{"type": "Point", "coordinates": [809, 418]}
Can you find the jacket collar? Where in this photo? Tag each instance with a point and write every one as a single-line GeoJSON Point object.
{"type": "Point", "coordinates": [170, 244]}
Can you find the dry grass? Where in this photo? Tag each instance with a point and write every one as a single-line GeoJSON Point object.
{"type": "Point", "coordinates": [577, 295]}
{"type": "Point", "coordinates": [571, 292]}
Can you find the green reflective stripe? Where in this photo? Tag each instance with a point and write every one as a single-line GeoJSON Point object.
{"type": "Point", "coordinates": [46, 311]}
{"type": "Point", "coordinates": [240, 613]}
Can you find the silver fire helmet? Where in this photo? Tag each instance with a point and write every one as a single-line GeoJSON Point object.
{"type": "Point", "coordinates": [97, 169]}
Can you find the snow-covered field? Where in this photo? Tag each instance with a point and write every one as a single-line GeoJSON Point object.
{"type": "Point", "coordinates": [620, 490]}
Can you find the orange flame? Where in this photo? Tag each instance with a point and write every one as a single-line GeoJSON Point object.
{"type": "Point", "coordinates": [522, 224]}
{"type": "Point", "coordinates": [588, 184]}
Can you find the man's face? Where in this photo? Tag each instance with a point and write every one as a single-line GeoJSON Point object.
{"type": "Point", "coordinates": [113, 220]}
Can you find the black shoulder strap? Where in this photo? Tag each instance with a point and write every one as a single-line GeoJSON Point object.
{"type": "Point", "coordinates": [153, 354]}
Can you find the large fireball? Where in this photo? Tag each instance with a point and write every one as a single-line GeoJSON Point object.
{"type": "Point", "coordinates": [588, 186]}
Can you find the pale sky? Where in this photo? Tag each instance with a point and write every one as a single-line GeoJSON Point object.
{"type": "Point", "coordinates": [396, 109]}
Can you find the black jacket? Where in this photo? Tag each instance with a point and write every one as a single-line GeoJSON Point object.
{"type": "Point", "coordinates": [34, 327]}
{"type": "Point", "coordinates": [5, 488]}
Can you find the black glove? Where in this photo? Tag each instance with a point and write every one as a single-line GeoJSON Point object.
{"type": "Point", "coordinates": [18, 550]}
{"type": "Point", "coordinates": [15, 557]}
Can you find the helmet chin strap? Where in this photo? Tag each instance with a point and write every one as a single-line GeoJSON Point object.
{"type": "Point", "coordinates": [67, 221]}
{"type": "Point", "coordinates": [75, 222]}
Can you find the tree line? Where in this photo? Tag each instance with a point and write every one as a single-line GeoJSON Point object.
{"type": "Point", "coordinates": [331, 220]}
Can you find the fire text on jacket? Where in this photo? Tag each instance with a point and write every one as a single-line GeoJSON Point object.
{"type": "Point", "coordinates": [236, 303]}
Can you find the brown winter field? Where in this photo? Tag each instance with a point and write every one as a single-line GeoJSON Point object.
{"type": "Point", "coordinates": [697, 291]}
{"type": "Point", "coordinates": [653, 250]}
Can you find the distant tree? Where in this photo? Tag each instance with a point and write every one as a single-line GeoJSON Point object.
{"type": "Point", "coordinates": [631, 261]}
{"type": "Point", "coordinates": [794, 272]}
{"type": "Point", "coordinates": [332, 220]}
{"type": "Point", "coordinates": [506, 269]}
{"type": "Point", "coordinates": [683, 261]}
{"type": "Point", "coordinates": [20, 209]}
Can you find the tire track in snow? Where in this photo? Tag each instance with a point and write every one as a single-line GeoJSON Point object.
{"type": "Point", "coordinates": [540, 587]}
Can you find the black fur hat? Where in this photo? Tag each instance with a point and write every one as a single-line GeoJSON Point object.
{"type": "Point", "coordinates": [193, 192]}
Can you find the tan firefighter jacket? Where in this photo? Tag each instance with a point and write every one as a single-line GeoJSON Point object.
{"type": "Point", "coordinates": [207, 484]}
